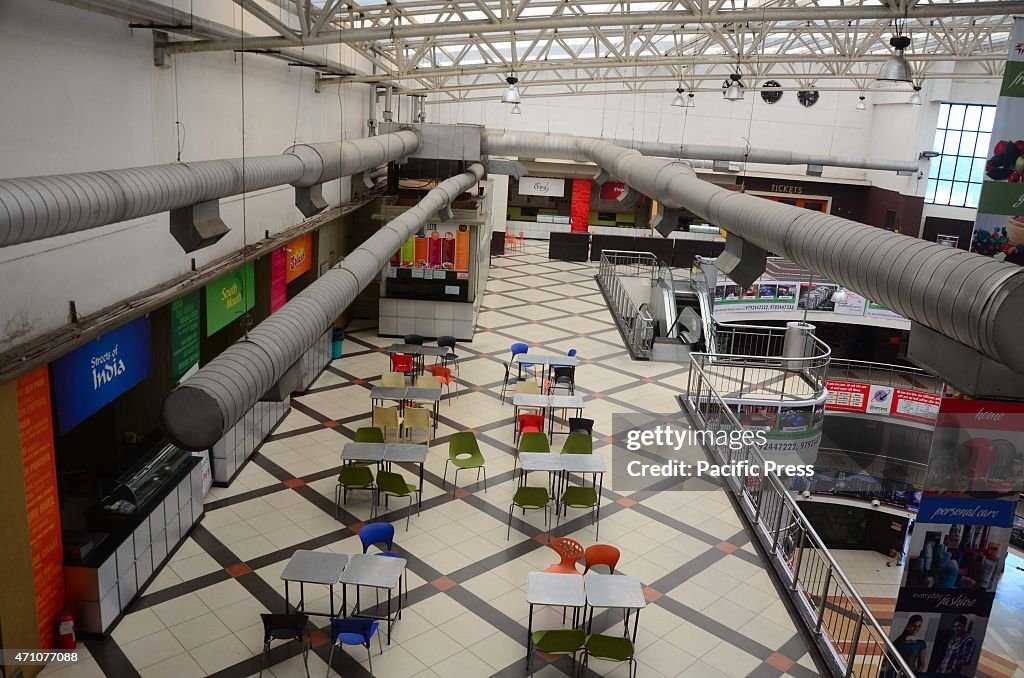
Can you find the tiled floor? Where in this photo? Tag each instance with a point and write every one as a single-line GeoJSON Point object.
{"type": "Point", "coordinates": [713, 609]}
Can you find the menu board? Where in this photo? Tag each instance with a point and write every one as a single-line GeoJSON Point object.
{"type": "Point", "coordinates": [35, 427]}
{"type": "Point", "coordinates": [278, 279]}
{"type": "Point", "coordinates": [229, 296]}
{"type": "Point", "coordinates": [184, 336]}
{"type": "Point", "coordinates": [439, 247]}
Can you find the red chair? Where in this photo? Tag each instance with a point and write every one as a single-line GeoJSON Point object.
{"type": "Point", "coordinates": [570, 551]}
{"type": "Point", "coordinates": [445, 375]}
{"type": "Point", "coordinates": [531, 423]}
{"type": "Point", "coordinates": [601, 554]}
{"type": "Point", "coordinates": [401, 363]}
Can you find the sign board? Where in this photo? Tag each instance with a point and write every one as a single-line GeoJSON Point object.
{"type": "Point", "coordinates": [441, 247]}
{"type": "Point", "coordinates": [98, 372]}
{"type": "Point", "coordinates": [184, 336]}
{"type": "Point", "coordinates": [35, 427]}
{"type": "Point", "coordinates": [611, 190]}
{"type": "Point", "coordinates": [900, 403]}
{"type": "Point", "coordinates": [278, 279]}
{"type": "Point", "coordinates": [299, 256]}
{"type": "Point", "coordinates": [767, 295]}
{"type": "Point", "coordinates": [554, 188]}
{"type": "Point", "coordinates": [228, 297]}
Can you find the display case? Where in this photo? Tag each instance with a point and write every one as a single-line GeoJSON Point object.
{"type": "Point", "coordinates": [136, 489]}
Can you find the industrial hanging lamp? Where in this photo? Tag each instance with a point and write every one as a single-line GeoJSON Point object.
{"type": "Point", "coordinates": [511, 95]}
{"type": "Point", "coordinates": [680, 100]}
{"type": "Point", "coordinates": [732, 89]}
{"type": "Point", "coordinates": [915, 98]}
{"type": "Point", "coordinates": [689, 100]}
{"type": "Point", "coordinates": [861, 106]}
{"type": "Point", "coordinates": [896, 68]}
{"type": "Point", "coordinates": [516, 110]}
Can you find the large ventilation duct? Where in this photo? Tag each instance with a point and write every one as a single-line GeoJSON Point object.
{"type": "Point", "coordinates": [35, 208]}
{"type": "Point", "coordinates": [495, 140]}
{"type": "Point", "coordinates": [974, 300]}
{"type": "Point", "coordinates": [200, 411]}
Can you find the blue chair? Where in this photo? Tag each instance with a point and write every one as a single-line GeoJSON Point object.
{"type": "Point", "coordinates": [518, 349]}
{"type": "Point", "coordinates": [353, 632]}
{"type": "Point", "coordinates": [378, 533]}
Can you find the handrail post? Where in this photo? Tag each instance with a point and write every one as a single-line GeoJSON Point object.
{"type": "Point", "coordinates": [797, 557]}
{"type": "Point", "coordinates": [824, 599]}
{"type": "Point", "coordinates": [853, 645]}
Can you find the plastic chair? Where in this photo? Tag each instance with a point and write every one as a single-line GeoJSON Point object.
{"type": "Point", "coordinates": [533, 441]}
{"type": "Point", "coordinates": [581, 498]}
{"type": "Point", "coordinates": [517, 349]}
{"type": "Point", "coordinates": [377, 533]}
{"type": "Point", "coordinates": [531, 423]}
{"type": "Point", "coordinates": [401, 362]}
{"type": "Point", "coordinates": [388, 421]}
{"type": "Point", "coordinates": [352, 477]}
{"type": "Point", "coordinates": [527, 388]}
{"type": "Point", "coordinates": [569, 551]}
{"type": "Point", "coordinates": [563, 377]}
{"type": "Point", "coordinates": [444, 375]}
{"type": "Point", "coordinates": [286, 627]}
{"type": "Point", "coordinates": [578, 443]}
{"type": "Point", "coordinates": [464, 453]}
{"type": "Point", "coordinates": [369, 434]}
{"type": "Point", "coordinates": [413, 340]}
{"type": "Point", "coordinates": [394, 485]}
{"type": "Point", "coordinates": [580, 425]}
{"type": "Point", "coordinates": [558, 643]}
{"type": "Point", "coordinates": [353, 632]}
{"type": "Point", "coordinates": [510, 380]}
{"type": "Point", "coordinates": [529, 498]}
{"type": "Point", "coordinates": [611, 649]}
{"type": "Point", "coordinates": [601, 555]}
{"type": "Point", "coordinates": [417, 418]}
{"type": "Point", "coordinates": [451, 356]}
{"type": "Point", "coordinates": [392, 379]}
{"type": "Point", "coordinates": [521, 241]}
{"type": "Point", "coordinates": [428, 381]}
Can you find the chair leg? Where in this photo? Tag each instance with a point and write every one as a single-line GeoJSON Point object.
{"type": "Point", "coordinates": [408, 515]}
{"type": "Point", "coordinates": [485, 478]}
{"type": "Point", "coordinates": [509, 536]}
{"type": "Point", "coordinates": [330, 659]}
{"type": "Point", "coordinates": [444, 478]}
{"type": "Point", "coordinates": [369, 656]}
{"type": "Point", "coordinates": [305, 651]}
{"type": "Point", "coordinates": [263, 657]}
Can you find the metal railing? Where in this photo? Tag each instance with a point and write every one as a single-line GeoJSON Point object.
{"type": "Point", "coordinates": [884, 374]}
{"type": "Point", "coordinates": [851, 639]}
{"type": "Point", "coordinates": [635, 320]}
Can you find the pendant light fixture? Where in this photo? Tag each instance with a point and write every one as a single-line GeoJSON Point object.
{"type": "Point", "coordinates": [680, 100]}
{"type": "Point", "coordinates": [516, 110]}
{"type": "Point", "coordinates": [689, 100]}
{"type": "Point", "coordinates": [915, 98]}
{"type": "Point", "coordinates": [732, 89]}
{"type": "Point", "coordinates": [511, 95]}
{"type": "Point", "coordinates": [861, 106]}
{"type": "Point", "coordinates": [896, 68]}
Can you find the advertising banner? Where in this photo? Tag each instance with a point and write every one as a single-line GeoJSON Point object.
{"type": "Point", "coordinates": [300, 256]}
{"type": "Point", "coordinates": [761, 296]}
{"type": "Point", "coordinates": [855, 304]}
{"type": "Point", "coordinates": [847, 396]}
{"type": "Point", "coordinates": [900, 403]}
{"type": "Point", "coordinates": [791, 295]}
{"type": "Point", "coordinates": [184, 336]}
{"type": "Point", "coordinates": [959, 543]}
{"type": "Point", "coordinates": [999, 225]}
{"type": "Point", "coordinates": [35, 427]}
{"type": "Point", "coordinates": [793, 428]}
{"type": "Point", "coordinates": [874, 310]}
{"type": "Point", "coordinates": [94, 374]}
{"type": "Point", "coordinates": [554, 188]}
{"type": "Point", "coordinates": [580, 209]}
{"type": "Point", "coordinates": [278, 279]}
{"type": "Point", "coordinates": [443, 247]}
{"type": "Point", "coordinates": [611, 190]}
{"type": "Point", "coordinates": [228, 297]}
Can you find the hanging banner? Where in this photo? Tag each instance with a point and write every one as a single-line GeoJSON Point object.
{"type": "Point", "coordinates": [956, 553]}
{"type": "Point", "coordinates": [462, 248]}
{"type": "Point", "coordinates": [580, 210]}
{"type": "Point", "coordinates": [35, 427]}
{"type": "Point", "coordinates": [278, 279]}
{"type": "Point", "coordinates": [553, 188]}
{"type": "Point", "coordinates": [999, 225]}
{"type": "Point", "coordinates": [184, 336]}
{"type": "Point", "coordinates": [94, 374]}
{"type": "Point", "coordinates": [300, 256]}
{"type": "Point", "coordinates": [229, 296]}
{"type": "Point", "coordinates": [611, 190]}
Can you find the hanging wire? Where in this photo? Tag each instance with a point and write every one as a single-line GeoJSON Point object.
{"type": "Point", "coordinates": [179, 128]}
{"type": "Point", "coordinates": [298, 98]}
{"type": "Point", "coordinates": [245, 319]}
{"type": "Point", "coordinates": [753, 99]}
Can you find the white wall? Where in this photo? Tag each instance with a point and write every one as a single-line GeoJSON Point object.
{"type": "Point", "coordinates": [80, 93]}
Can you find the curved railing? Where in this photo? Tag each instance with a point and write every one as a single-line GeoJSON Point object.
{"type": "Point", "coordinates": [635, 321]}
{"type": "Point", "coordinates": [884, 374]}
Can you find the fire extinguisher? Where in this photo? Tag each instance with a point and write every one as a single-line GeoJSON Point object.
{"type": "Point", "coordinates": [66, 630]}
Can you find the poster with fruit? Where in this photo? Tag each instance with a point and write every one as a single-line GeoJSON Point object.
{"type": "Point", "coordinates": [999, 227]}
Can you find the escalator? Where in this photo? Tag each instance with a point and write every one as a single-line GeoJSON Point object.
{"type": "Point", "coordinates": [682, 313]}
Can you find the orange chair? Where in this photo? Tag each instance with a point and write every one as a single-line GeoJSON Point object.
{"type": "Point", "coordinates": [601, 554]}
{"type": "Point", "coordinates": [444, 374]}
{"type": "Point", "coordinates": [570, 551]}
{"type": "Point", "coordinates": [401, 362]}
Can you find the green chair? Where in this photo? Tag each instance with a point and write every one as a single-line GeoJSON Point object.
{"type": "Point", "coordinates": [582, 498]}
{"type": "Point", "coordinates": [609, 649]}
{"type": "Point", "coordinates": [394, 485]}
{"type": "Point", "coordinates": [578, 443]}
{"type": "Point", "coordinates": [532, 441]}
{"type": "Point", "coordinates": [464, 453]}
{"type": "Point", "coordinates": [529, 498]}
{"type": "Point", "coordinates": [367, 434]}
{"type": "Point", "coordinates": [351, 477]}
{"type": "Point", "coordinates": [559, 643]}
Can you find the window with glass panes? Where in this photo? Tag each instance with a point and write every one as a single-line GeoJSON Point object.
{"type": "Point", "coordinates": [963, 140]}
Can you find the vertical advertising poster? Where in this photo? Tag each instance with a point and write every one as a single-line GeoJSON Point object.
{"type": "Point", "coordinates": [999, 225]}
{"type": "Point", "coordinates": [278, 279]}
{"type": "Point", "coordinates": [300, 256]}
{"type": "Point", "coordinates": [35, 427]}
{"type": "Point", "coordinates": [184, 336]}
{"type": "Point", "coordinates": [580, 208]}
{"type": "Point", "coordinates": [959, 544]}
{"type": "Point", "coordinates": [229, 296]}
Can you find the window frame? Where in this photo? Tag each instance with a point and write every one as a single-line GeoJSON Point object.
{"type": "Point", "coordinates": [947, 184]}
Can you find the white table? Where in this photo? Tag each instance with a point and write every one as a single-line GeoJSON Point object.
{"type": "Point", "coordinates": [379, 572]}
{"type": "Point", "coordinates": [615, 591]}
{"type": "Point", "coordinates": [558, 590]}
{"type": "Point", "coordinates": [313, 567]}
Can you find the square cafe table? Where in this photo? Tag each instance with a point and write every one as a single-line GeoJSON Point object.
{"type": "Point", "coordinates": [313, 567]}
{"type": "Point", "coordinates": [559, 590]}
{"type": "Point", "coordinates": [363, 452]}
{"type": "Point", "coordinates": [615, 591]}
{"type": "Point", "coordinates": [379, 572]}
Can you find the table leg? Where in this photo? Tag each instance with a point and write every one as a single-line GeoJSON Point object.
{"type": "Point", "coordinates": [636, 625]}
{"type": "Point", "coordinates": [389, 616]}
{"type": "Point", "coordinates": [344, 599]}
{"type": "Point", "coordinates": [287, 605]}
{"type": "Point", "coordinates": [529, 637]}
{"type": "Point", "coordinates": [331, 587]}
{"type": "Point", "coordinates": [421, 485]}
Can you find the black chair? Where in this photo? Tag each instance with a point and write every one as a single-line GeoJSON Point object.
{"type": "Point", "coordinates": [413, 340]}
{"type": "Point", "coordinates": [579, 425]}
{"type": "Point", "coordinates": [564, 377]}
{"type": "Point", "coordinates": [451, 356]}
{"type": "Point", "coordinates": [286, 627]}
